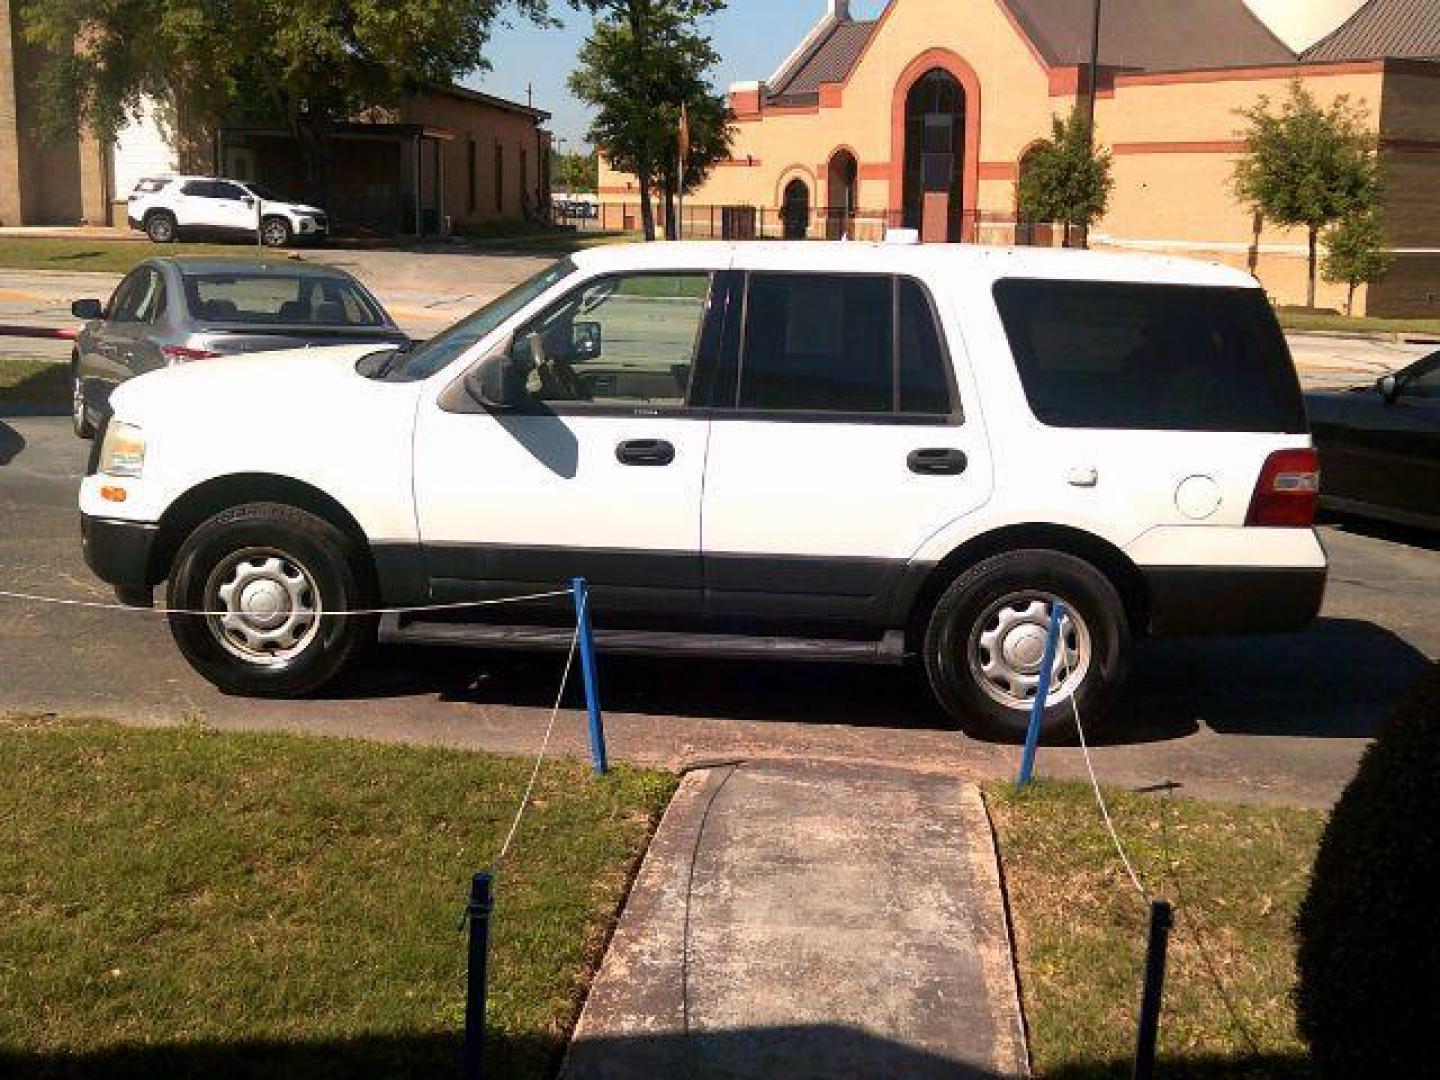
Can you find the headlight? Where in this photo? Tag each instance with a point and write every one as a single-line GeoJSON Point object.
{"type": "Point", "coordinates": [123, 451]}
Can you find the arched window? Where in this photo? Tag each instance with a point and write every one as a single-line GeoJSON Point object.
{"type": "Point", "coordinates": [934, 148]}
{"type": "Point", "coordinates": [842, 174]}
{"type": "Point", "coordinates": [795, 210]}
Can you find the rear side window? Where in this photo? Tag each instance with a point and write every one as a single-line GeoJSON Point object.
{"type": "Point", "coordinates": [1150, 357]}
{"type": "Point", "coordinates": [832, 343]}
{"type": "Point", "coordinates": [150, 185]}
{"type": "Point", "coordinates": [278, 300]}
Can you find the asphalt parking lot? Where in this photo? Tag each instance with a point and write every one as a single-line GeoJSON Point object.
{"type": "Point", "coordinates": [1279, 718]}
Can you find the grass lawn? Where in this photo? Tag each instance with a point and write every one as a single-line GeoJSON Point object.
{"type": "Point", "coordinates": [1302, 321]}
{"type": "Point", "coordinates": [33, 382]}
{"type": "Point", "coordinates": [112, 256]}
{"type": "Point", "coordinates": [1235, 875]}
{"type": "Point", "coordinates": [186, 903]}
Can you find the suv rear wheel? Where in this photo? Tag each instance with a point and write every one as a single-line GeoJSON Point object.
{"type": "Point", "coordinates": [161, 227]}
{"type": "Point", "coordinates": [984, 647]}
{"type": "Point", "coordinates": [264, 574]}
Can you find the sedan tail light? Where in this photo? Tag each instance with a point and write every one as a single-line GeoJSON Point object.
{"type": "Point", "coordinates": [1288, 491]}
{"type": "Point", "coordinates": [180, 352]}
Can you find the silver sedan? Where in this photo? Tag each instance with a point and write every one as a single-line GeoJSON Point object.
{"type": "Point", "coordinates": [175, 310]}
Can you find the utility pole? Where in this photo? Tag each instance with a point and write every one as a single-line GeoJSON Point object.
{"type": "Point", "coordinates": [1094, 72]}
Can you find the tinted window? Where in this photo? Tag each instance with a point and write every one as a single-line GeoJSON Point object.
{"type": "Point", "coordinates": [622, 340]}
{"type": "Point", "coordinates": [920, 356]}
{"type": "Point", "coordinates": [818, 343]}
{"type": "Point", "coordinates": [841, 343]}
{"type": "Point", "coordinates": [227, 191]}
{"type": "Point", "coordinates": [201, 189]}
{"type": "Point", "coordinates": [1425, 381]}
{"type": "Point", "coordinates": [126, 295]}
{"type": "Point", "coordinates": [149, 297]}
{"type": "Point", "coordinates": [1154, 357]}
{"type": "Point", "coordinates": [276, 299]}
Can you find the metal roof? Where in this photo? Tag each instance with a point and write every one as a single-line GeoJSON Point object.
{"type": "Point", "coordinates": [1404, 29]}
{"type": "Point", "coordinates": [1148, 35]}
{"type": "Point", "coordinates": [830, 60]}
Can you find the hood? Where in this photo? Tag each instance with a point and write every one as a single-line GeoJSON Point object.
{"type": "Point", "coordinates": [292, 207]}
{"type": "Point", "coordinates": [281, 386]}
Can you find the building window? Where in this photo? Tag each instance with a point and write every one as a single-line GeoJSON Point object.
{"type": "Point", "coordinates": [499, 178]}
{"type": "Point", "coordinates": [474, 175]}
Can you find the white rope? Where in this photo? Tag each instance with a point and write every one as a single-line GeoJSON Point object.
{"type": "Point", "coordinates": [1095, 784]}
{"type": "Point", "coordinates": [544, 747]}
{"type": "Point", "coordinates": [99, 605]}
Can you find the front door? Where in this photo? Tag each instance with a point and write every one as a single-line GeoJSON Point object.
{"type": "Point", "coordinates": [599, 476]}
{"type": "Point", "coordinates": [839, 445]}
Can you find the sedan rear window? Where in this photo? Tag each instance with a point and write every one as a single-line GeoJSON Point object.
{"type": "Point", "coordinates": [279, 300]}
{"type": "Point", "coordinates": [1150, 357]}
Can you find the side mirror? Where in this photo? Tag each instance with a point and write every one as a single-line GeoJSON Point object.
{"type": "Point", "coordinates": [87, 309]}
{"type": "Point", "coordinates": [499, 383]}
{"type": "Point", "coordinates": [248, 200]}
{"type": "Point", "coordinates": [1389, 387]}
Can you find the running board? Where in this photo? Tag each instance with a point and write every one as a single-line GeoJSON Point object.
{"type": "Point", "coordinates": [887, 650]}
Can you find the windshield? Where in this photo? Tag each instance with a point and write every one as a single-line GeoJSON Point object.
{"type": "Point", "coordinates": [439, 351]}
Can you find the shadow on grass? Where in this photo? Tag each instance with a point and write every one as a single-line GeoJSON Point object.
{"type": "Point", "coordinates": [435, 1054]}
{"type": "Point", "coordinates": [43, 392]}
{"type": "Point", "coordinates": [1199, 1067]}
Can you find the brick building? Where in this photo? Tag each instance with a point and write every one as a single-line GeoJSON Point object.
{"type": "Point", "coordinates": [922, 117]}
{"type": "Point", "coordinates": [443, 157]}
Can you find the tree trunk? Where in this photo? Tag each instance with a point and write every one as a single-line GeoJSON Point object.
{"type": "Point", "coordinates": [1314, 238]}
{"type": "Point", "coordinates": [643, 168]}
{"type": "Point", "coordinates": [1350, 301]}
{"type": "Point", "coordinates": [672, 223]}
{"type": "Point", "coordinates": [647, 208]}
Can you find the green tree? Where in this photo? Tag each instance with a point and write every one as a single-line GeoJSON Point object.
{"type": "Point", "coordinates": [1066, 178]}
{"type": "Point", "coordinates": [643, 59]}
{"type": "Point", "coordinates": [578, 171]}
{"type": "Point", "coordinates": [1308, 167]}
{"type": "Point", "coordinates": [1355, 254]}
{"type": "Point", "coordinates": [304, 65]}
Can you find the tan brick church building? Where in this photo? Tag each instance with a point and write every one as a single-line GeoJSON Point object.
{"type": "Point", "coordinates": [922, 118]}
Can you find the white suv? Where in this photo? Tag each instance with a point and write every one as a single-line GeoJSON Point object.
{"type": "Point", "coordinates": [170, 207]}
{"type": "Point", "coordinates": [835, 452]}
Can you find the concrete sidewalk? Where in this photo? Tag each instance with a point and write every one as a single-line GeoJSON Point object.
{"type": "Point", "coordinates": [810, 920]}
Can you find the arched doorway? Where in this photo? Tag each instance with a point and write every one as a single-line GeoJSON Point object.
{"type": "Point", "coordinates": [842, 176]}
{"type": "Point", "coordinates": [934, 153]}
{"type": "Point", "coordinates": [1029, 232]}
{"type": "Point", "coordinates": [795, 210]}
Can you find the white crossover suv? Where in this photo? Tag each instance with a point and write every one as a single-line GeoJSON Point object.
{"type": "Point", "coordinates": [168, 208]}
{"type": "Point", "coordinates": [822, 452]}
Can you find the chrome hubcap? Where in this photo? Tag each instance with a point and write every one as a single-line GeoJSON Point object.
{"type": "Point", "coordinates": [1007, 650]}
{"type": "Point", "coordinates": [274, 234]}
{"type": "Point", "coordinates": [266, 604]}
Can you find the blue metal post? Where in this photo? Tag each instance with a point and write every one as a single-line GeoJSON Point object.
{"type": "Point", "coordinates": [592, 678]}
{"type": "Point", "coordinates": [1042, 693]}
{"type": "Point", "coordinates": [482, 903]}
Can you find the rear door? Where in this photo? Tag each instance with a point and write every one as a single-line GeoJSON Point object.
{"type": "Point", "coordinates": [839, 445]}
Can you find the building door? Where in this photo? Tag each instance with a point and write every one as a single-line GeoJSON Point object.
{"type": "Point", "coordinates": [240, 164]}
{"type": "Point", "coordinates": [934, 146]}
{"type": "Point", "coordinates": [795, 210]}
{"type": "Point", "coordinates": [842, 176]}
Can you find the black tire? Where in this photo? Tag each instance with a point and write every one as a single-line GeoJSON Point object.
{"type": "Point", "coordinates": [321, 553]}
{"type": "Point", "coordinates": [161, 227]}
{"type": "Point", "coordinates": [78, 419]}
{"type": "Point", "coordinates": [275, 232]}
{"type": "Point", "coordinates": [973, 604]}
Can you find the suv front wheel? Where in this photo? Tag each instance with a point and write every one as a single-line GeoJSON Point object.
{"type": "Point", "coordinates": [264, 575]}
{"type": "Point", "coordinates": [984, 647]}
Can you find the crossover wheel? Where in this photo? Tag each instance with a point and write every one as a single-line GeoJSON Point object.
{"type": "Point", "coordinates": [275, 232]}
{"type": "Point", "coordinates": [265, 575]}
{"type": "Point", "coordinates": [985, 644]}
{"type": "Point", "coordinates": [78, 418]}
{"type": "Point", "coordinates": [161, 227]}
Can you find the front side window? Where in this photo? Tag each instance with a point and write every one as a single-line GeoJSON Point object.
{"type": "Point", "coordinates": [1425, 382]}
{"type": "Point", "coordinates": [126, 296]}
{"type": "Point", "coordinates": [149, 297]}
{"type": "Point", "coordinates": [228, 191]}
{"type": "Point", "coordinates": [1150, 357]}
{"type": "Point", "coordinates": [620, 341]}
{"type": "Point", "coordinates": [832, 343]}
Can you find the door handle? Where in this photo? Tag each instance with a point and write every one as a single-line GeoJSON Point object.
{"type": "Point", "coordinates": [645, 452]}
{"type": "Point", "coordinates": [938, 461]}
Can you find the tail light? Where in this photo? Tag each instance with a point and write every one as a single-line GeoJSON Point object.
{"type": "Point", "coordinates": [1288, 491]}
{"type": "Point", "coordinates": [180, 352]}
